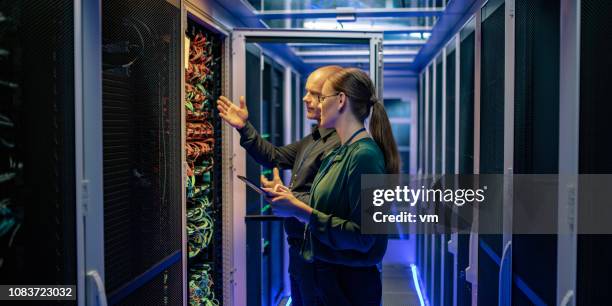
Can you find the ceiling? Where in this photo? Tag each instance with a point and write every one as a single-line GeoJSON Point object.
{"type": "Point", "coordinates": [406, 24]}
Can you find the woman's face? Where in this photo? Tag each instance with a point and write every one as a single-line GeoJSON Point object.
{"type": "Point", "coordinates": [330, 110]}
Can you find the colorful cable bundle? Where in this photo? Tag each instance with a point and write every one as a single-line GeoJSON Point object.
{"type": "Point", "coordinates": [200, 286]}
{"type": "Point", "coordinates": [7, 218]}
{"type": "Point", "coordinates": [199, 226]}
{"type": "Point", "coordinates": [200, 152]}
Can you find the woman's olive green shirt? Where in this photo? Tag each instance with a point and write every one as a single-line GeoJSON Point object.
{"type": "Point", "coordinates": [334, 230]}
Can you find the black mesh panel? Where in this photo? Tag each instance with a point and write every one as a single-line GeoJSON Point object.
{"type": "Point", "coordinates": [37, 192]}
{"type": "Point", "coordinates": [141, 132]}
{"type": "Point", "coordinates": [161, 290]}
{"type": "Point", "coordinates": [466, 151]}
{"type": "Point", "coordinates": [491, 139]}
{"type": "Point", "coordinates": [438, 116]}
{"type": "Point", "coordinates": [536, 136]}
{"type": "Point", "coordinates": [430, 122]}
{"type": "Point", "coordinates": [420, 123]}
{"type": "Point", "coordinates": [450, 113]}
{"type": "Point", "coordinates": [594, 251]}
{"type": "Point", "coordinates": [492, 94]}
{"type": "Point", "coordinates": [466, 111]}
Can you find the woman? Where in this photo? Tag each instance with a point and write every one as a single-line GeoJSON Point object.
{"type": "Point", "coordinates": [346, 262]}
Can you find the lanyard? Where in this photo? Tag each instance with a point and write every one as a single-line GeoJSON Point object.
{"type": "Point", "coordinates": [331, 157]}
{"type": "Point", "coordinates": [353, 136]}
{"type": "Point", "coordinates": [320, 175]}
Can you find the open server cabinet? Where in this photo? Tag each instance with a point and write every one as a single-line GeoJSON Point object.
{"type": "Point", "coordinates": [243, 57]}
{"type": "Point", "coordinates": [206, 63]}
{"type": "Point", "coordinates": [154, 209]}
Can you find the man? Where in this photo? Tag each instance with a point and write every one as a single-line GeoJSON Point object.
{"type": "Point", "coordinates": [303, 157]}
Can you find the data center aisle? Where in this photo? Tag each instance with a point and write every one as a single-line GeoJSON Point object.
{"type": "Point", "coordinates": [398, 286]}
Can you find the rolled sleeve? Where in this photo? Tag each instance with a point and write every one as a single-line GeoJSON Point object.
{"type": "Point", "coordinates": [264, 152]}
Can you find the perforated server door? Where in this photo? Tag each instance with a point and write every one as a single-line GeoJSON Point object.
{"type": "Point", "coordinates": [37, 144]}
{"type": "Point", "coordinates": [536, 142]}
{"type": "Point", "coordinates": [595, 149]}
{"type": "Point", "coordinates": [141, 97]}
{"type": "Point", "coordinates": [491, 142]}
{"type": "Point", "coordinates": [466, 148]}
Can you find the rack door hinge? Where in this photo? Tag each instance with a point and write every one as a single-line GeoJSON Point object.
{"type": "Point", "coordinates": [84, 195]}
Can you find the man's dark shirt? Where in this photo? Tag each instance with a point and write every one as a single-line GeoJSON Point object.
{"type": "Point", "coordinates": [303, 157]}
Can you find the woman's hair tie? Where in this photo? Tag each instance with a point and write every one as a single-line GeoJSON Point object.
{"type": "Point", "coordinates": [373, 100]}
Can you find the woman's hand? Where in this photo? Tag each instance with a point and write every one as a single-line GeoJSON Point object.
{"type": "Point", "coordinates": [276, 180]}
{"type": "Point", "coordinates": [285, 204]}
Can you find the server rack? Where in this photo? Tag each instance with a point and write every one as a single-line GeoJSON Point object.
{"type": "Point", "coordinates": [141, 98]}
{"type": "Point", "coordinates": [265, 240]}
{"type": "Point", "coordinates": [454, 84]}
{"type": "Point", "coordinates": [164, 178]}
{"type": "Point", "coordinates": [566, 270]}
{"type": "Point", "coordinates": [465, 145]}
{"type": "Point", "coordinates": [450, 104]}
{"type": "Point", "coordinates": [491, 141]}
{"type": "Point", "coordinates": [466, 98]}
{"type": "Point", "coordinates": [265, 92]}
{"type": "Point", "coordinates": [536, 143]}
{"type": "Point", "coordinates": [438, 115]}
{"type": "Point", "coordinates": [449, 241]}
{"type": "Point", "coordinates": [204, 162]}
{"type": "Point", "coordinates": [421, 126]}
{"type": "Point", "coordinates": [419, 155]}
{"type": "Point", "coordinates": [429, 121]}
{"type": "Point", "coordinates": [593, 251]}
{"type": "Point", "coordinates": [38, 212]}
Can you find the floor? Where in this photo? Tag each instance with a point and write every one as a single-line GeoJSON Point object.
{"type": "Point", "coordinates": [398, 287]}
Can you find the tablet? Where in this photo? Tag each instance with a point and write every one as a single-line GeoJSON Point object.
{"type": "Point", "coordinates": [252, 185]}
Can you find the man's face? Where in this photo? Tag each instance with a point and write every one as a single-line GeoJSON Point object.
{"type": "Point", "coordinates": [314, 85]}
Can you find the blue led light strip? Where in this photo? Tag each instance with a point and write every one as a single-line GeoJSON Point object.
{"type": "Point", "coordinates": [487, 249]}
{"type": "Point", "coordinates": [532, 296]}
{"type": "Point", "coordinates": [139, 281]}
{"type": "Point", "coordinates": [417, 285]}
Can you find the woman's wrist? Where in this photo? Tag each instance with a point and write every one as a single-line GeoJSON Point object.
{"type": "Point", "coordinates": [304, 213]}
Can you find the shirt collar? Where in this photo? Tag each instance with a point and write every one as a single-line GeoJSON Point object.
{"type": "Point", "coordinates": [319, 132]}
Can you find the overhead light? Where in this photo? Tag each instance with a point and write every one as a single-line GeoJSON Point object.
{"type": "Point", "coordinates": [346, 17]}
{"type": "Point", "coordinates": [348, 60]}
{"type": "Point", "coordinates": [321, 25]}
{"type": "Point", "coordinates": [327, 24]}
{"type": "Point", "coordinates": [346, 14]}
{"type": "Point", "coordinates": [386, 52]}
{"type": "Point", "coordinates": [420, 35]}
